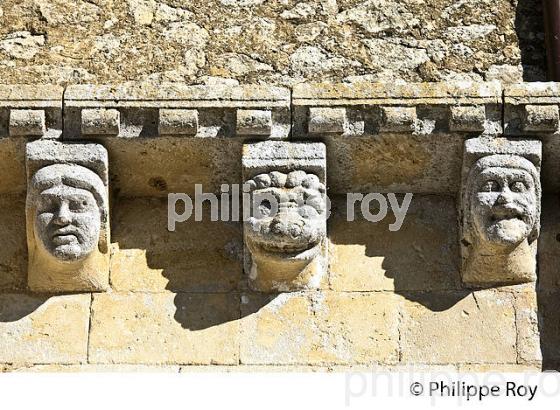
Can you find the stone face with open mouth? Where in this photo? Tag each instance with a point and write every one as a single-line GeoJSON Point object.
{"type": "Point", "coordinates": [287, 228]}
{"type": "Point", "coordinates": [500, 214]}
{"type": "Point", "coordinates": [504, 205]}
{"type": "Point", "coordinates": [288, 215]}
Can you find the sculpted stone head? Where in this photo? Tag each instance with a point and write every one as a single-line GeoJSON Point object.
{"type": "Point", "coordinates": [503, 196]}
{"type": "Point", "coordinates": [288, 218]}
{"type": "Point", "coordinates": [69, 211]}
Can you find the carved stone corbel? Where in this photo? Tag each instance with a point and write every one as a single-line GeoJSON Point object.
{"type": "Point", "coordinates": [500, 211]}
{"type": "Point", "coordinates": [285, 235]}
{"type": "Point", "coordinates": [67, 214]}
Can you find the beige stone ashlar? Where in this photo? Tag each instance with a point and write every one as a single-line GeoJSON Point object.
{"type": "Point", "coordinates": [138, 110]}
{"type": "Point", "coordinates": [499, 211]}
{"type": "Point", "coordinates": [30, 111]}
{"type": "Point", "coordinates": [285, 233]}
{"type": "Point", "coordinates": [67, 217]}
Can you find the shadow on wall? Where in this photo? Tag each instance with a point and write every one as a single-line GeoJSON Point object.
{"type": "Point", "coordinates": [548, 288]}
{"type": "Point", "coordinates": [201, 257]}
{"type": "Point", "coordinates": [529, 27]}
{"type": "Point", "coordinates": [420, 261]}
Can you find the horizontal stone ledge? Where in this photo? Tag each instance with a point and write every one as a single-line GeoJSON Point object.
{"type": "Point", "coordinates": [29, 95]}
{"type": "Point", "coordinates": [366, 93]}
{"type": "Point", "coordinates": [176, 95]}
{"type": "Point", "coordinates": [30, 111]}
{"type": "Point", "coordinates": [139, 110]}
{"type": "Point", "coordinates": [369, 109]}
{"type": "Point", "coordinates": [532, 109]}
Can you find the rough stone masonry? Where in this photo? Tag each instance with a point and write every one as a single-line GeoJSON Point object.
{"type": "Point", "coordinates": [108, 106]}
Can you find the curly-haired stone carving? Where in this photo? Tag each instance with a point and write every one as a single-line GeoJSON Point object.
{"type": "Point", "coordinates": [501, 214]}
{"type": "Point", "coordinates": [285, 236]}
{"type": "Point", "coordinates": [67, 223]}
{"type": "Point", "coordinates": [287, 228]}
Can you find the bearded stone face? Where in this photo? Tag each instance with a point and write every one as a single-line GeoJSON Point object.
{"type": "Point", "coordinates": [504, 205]}
{"type": "Point", "coordinates": [288, 215]}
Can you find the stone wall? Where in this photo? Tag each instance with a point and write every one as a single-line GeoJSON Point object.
{"type": "Point", "coordinates": [184, 300]}
{"type": "Point", "coordinates": [278, 42]}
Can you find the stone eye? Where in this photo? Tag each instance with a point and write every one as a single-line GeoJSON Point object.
{"type": "Point", "coordinates": [78, 205]}
{"type": "Point", "coordinates": [517, 186]}
{"type": "Point", "coordinates": [490, 186]}
{"type": "Point", "coordinates": [46, 205]}
{"type": "Point", "coordinates": [265, 207]}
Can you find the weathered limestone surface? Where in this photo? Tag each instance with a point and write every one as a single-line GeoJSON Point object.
{"type": "Point", "coordinates": [282, 42]}
{"type": "Point", "coordinates": [164, 328]}
{"type": "Point", "coordinates": [362, 121]}
{"type": "Point", "coordinates": [366, 256]}
{"type": "Point", "coordinates": [320, 328]}
{"type": "Point", "coordinates": [479, 328]}
{"type": "Point", "coordinates": [39, 329]}
{"type": "Point", "coordinates": [147, 257]}
{"type": "Point", "coordinates": [180, 301]}
{"type": "Point", "coordinates": [548, 248]}
{"type": "Point", "coordinates": [13, 252]}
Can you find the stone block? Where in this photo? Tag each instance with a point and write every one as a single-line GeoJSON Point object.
{"type": "Point", "coordinates": [527, 325]}
{"type": "Point", "coordinates": [421, 255]}
{"type": "Point", "coordinates": [397, 119]}
{"type": "Point", "coordinates": [100, 122]}
{"type": "Point", "coordinates": [324, 120]}
{"type": "Point", "coordinates": [254, 122]}
{"type": "Point", "coordinates": [467, 118]}
{"type": "Point", "coordinates": [202, 256]}
{"type": "Point", "coordinates": [164, 328]}
{"type": "Point", "coordinates": [458, 327]}
{"type": "Point", "coordinates": [319, 328]}
{"type": "Point", "coordinates": [178, 122]}
{"type": "Point", "coordinates": [13, 252]}
{"type": "Point", "coordinates": [541, 118]}
{"type": "Point", "coordinates": [27, 123]}
{"type": "Point", "coordinates": [548, 253]}
{"type": "Point", "coordinates": [39, 329]}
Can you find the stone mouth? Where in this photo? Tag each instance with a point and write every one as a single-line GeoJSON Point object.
{"type": "Point", "coordinates": [279, 250]}
{"type": "Point", "coordinates": [507, 214]}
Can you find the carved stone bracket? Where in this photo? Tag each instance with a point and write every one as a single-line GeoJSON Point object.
{"type": "Point", "coordinates": [500, 211]}
{"type": "Point", "coordinates": [67, 213]}
{"type": "Point", "coordinates": [285, 235]}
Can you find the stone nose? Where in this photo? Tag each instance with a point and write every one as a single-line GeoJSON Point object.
{"type": "Point", "coordinates": [284, 225]}
{"type": "Point", "coordinates": [63, 216]}
{"type": "Point", "coordinates": [504, 198]}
